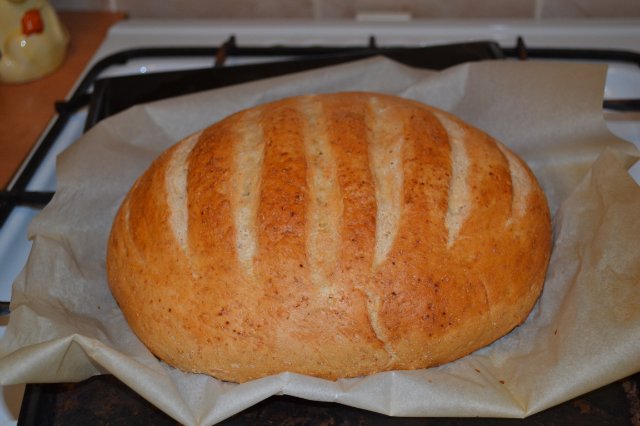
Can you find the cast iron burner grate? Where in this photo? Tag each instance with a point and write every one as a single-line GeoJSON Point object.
{"type": "Point", "coordinates": [111, 95]}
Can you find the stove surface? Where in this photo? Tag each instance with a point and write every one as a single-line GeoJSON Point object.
{"type": "Point", "coordinates": [623, 81]}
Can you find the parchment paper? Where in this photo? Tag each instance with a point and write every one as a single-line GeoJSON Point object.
{"type": "Point", "coordinates": [583, 333]}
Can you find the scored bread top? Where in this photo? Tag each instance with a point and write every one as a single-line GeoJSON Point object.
{"type": "Point", "coordinates": [332, 235]}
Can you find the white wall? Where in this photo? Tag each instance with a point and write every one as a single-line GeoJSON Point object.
{"type": "Point", "coordinates": [347, 9]}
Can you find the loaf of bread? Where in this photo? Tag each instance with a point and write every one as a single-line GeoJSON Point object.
{"type": "Point", "coordinates": [331, 235]}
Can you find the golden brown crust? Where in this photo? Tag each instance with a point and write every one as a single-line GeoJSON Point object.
{"type": "Point", "coordinates": [331, 235]}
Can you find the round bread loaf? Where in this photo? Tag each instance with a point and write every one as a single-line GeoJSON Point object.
{"type": "Point", "coordinates": [332, 235]}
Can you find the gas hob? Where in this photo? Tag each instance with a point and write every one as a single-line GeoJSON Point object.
{"type": "Point", "coordinates": [168, 49]}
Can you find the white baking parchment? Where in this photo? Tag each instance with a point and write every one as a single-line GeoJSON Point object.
{"type": "Point", "coordinates": [583, 333]}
